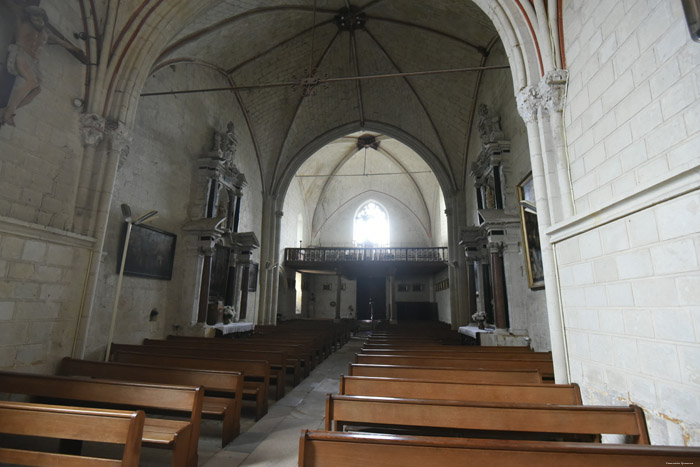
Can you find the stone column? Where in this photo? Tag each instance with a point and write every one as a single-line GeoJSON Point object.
{"type": "Point", "coordinates": [529, 102]}
{"type": "Point", "coordinates": [276, 270]}
{"type": "Point", "coordinates": [552, 89]}
{"type": "Point", "coordinates": [204, 287]}
{"type": "Point", "coordinates": [98, 173]}
{"type": "Point", "coordinates": [393, 318]}
{"type": "Point", "coordinates": [472, 264]}
{"type": "Point", "coordinates": [498, 286]}
{"type": "Point", "coordinates": [243, 306]}
{"type": "Point", "coordinates": [339, 280]}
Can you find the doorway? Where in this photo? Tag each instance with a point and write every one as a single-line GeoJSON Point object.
{"type": "Point", "coordinates": [373, 288]}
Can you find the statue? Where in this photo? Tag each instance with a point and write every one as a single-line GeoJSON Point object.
{"type": "Point", "coordinates": [229, 146]}
{"type": "Point", "coordinates": [33, 31]}
{"type": "Point", "coordinates": [489, 126]}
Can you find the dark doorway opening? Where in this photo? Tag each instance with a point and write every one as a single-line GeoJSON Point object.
{"type": "Point", "coordinates": [416, 311]}
{"type": "Point", "coordinates": [373, 288]}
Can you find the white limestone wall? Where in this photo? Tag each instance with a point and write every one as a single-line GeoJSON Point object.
{"type": "Point", "coordinates": [321, 306]}
{"type": "Point", "coordinates": [42, 275]}
{"type": "Point", "coordinates": [42, 263]}
{"type": "Point", "coordinates": [40, 156]}
{"type": "Point", "coordinates": [169, 136]}
{"type": "Point", "coordinates": [527, 307]}
{"type": "Point", "coordinates": [629, 261]}
{"type": "Point", "coordinates": [442, 298]}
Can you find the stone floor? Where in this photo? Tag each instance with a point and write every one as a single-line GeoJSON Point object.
{"type": "Point", "coordinates": [274, 440]}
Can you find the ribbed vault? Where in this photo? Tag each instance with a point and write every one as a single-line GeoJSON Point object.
{"type": "Point", "coordinates": [274, 41]}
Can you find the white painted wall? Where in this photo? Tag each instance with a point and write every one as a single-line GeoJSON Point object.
{"type": "Point", "coordinates": [629, 261]}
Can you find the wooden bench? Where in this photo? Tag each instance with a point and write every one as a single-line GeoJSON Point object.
{"type": "Point", "coordinates": [446, 374]}
{"type": "Point", "coordinates": [272, 374]}
{"type": "Point", "coordinates": [434, 346]}
{"type": "Point", "coordinates": [322, 448]}
{"type": "Point", "coordinates": [567, 394]}
{"type": "Point", "coordinates": [255, 390]}
{"type": "Point", "coordinates": [294, 351]}
{"type": "Point", "coordinates": [546, 368]}
{"type": "Point", "coordinates": [539, 356]}
{"type": "Point", "coordinates": [478, 419]}
{"type": "Point", "coordinates": [227, 409]}
{"type": "Point", "coordinates": [178, 435]}
{"type": "Point", "coordinates": [71, 423]}
{"type": "Point", "coordinates": [278, 358]}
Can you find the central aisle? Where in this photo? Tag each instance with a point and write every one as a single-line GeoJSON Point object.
{"type": "Point", "coordinates": [274, 440]}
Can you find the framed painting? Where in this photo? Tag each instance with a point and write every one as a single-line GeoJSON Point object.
{"type": "Point", "coordinates": [531, 233]}
{"type": "Point", "coordinates": [151, 253]}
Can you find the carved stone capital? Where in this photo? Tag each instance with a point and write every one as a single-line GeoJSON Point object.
{"type": "Point", "coordinates": [119, 140]}
{"type": "Point", "coordinates": [92, 129]}
{"type": "Point", "coordinates": [552, 89]}
{"type": "Point", "coordinates": [495, 247]}
{"type": "Point", "coordinates": [529, 100]}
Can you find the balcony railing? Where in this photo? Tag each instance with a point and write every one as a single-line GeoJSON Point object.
{"type": "Point", "coordinates": [295, 255]}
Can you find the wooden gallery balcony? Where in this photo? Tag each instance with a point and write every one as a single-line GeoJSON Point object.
{"type": "Point", "coordinates": [353, 261]}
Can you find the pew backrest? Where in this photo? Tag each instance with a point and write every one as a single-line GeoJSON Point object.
{"type": "Point", "coordinates": [567, 394]}
{"type": "Point", "coordinates": [446, 374]}
{"type": "Point", "coordinates": [187, 399]}
{"type": "Point", "coordinates": [546, 368]}
{"type": "Point", "coordinates": [322, 448]}
{"type": "Point", "coordinates": [572, 422]}
{"type": "Point", "coordinates": [74, 423]}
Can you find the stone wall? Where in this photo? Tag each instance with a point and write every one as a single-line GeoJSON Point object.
{"type": "Point", "coordinates": [526, 307]}
{"type": "Point", "coordinates": [42, 276]}
{"type": "Point", "coordinates": [629, 260]}
{"type": "Point", "coordinates": [43, 265]}
{"type": "Point", "coordinates": [41, 155]}
{"type": "Point", "coordinates": [160, 173]}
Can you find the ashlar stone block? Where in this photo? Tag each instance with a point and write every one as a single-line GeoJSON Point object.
{"type": "Point", "coordinates": [673, 325]}
{"type": "Point", "coordinates": [660, 360]}
{"type": "Point", "coordinates": [674, 257]}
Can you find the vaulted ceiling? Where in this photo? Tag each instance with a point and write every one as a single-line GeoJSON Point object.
{"type": "Point", "coordinates": [263, 42]}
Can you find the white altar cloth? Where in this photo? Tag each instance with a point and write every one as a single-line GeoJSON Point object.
{"type": "Point", "coordinates": [472, 331]}
{"type": "Point", "coordinates": [234, 327]}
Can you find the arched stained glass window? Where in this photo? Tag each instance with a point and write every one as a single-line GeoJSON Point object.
{"type": "Point", "coordinates": [371, 226]}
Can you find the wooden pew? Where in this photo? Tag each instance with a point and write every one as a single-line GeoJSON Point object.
{"type": "Point", "coordinates": [278, 358]}
{"type": "Point", "coordinates": [227, 409]}
{"type": "Point", "coordinates": [478, 419]}
{"type": "Point", "coordinates": [71, 423]}
{"type": "Point", "coordinates": [275, 374]}
{"type": "Point", "coordinates": [446, 374]}
{"type": "Point", "coordinates": [566, 394]}
{"type": "Point", "coordinates": [256, 390]}
{"type": "Point", "coordinates": [294, 351]}
{"type": "Point", "coordinates": [434, 346]}
{"type": "Point", "coordinates": [178, 435]}
{"type": "Point", "coordinates": [322, 448]}
{"type": "Point", "coordinates": [460, 353]}
{"type": "Point", "coordinates": [546, 368]}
